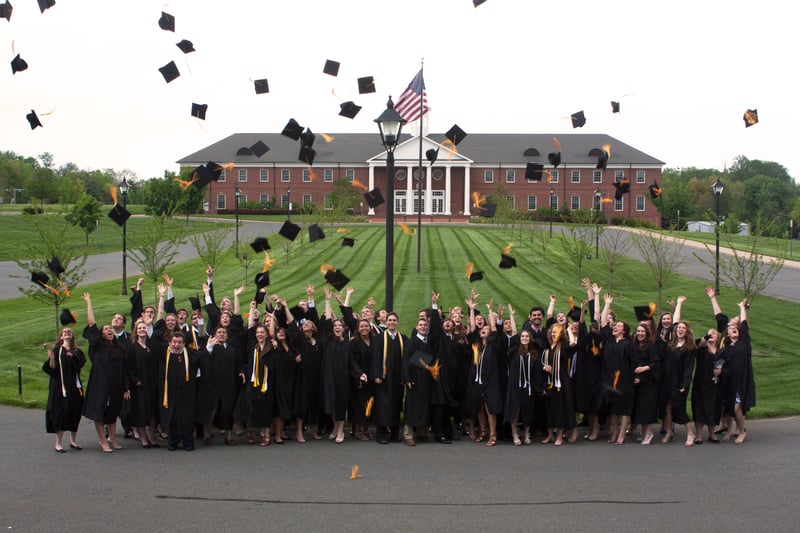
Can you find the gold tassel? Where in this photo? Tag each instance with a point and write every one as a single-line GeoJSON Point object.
{"type": "Point", "coordinates": [370, 403]}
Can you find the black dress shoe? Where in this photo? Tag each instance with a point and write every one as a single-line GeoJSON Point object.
{"type": "Point", "coordinates": [382, 440]}
{"type": "Point", "coordinates": [172, 448]}
{"type": "Point", "coordinates": [189, 448]}
{"type": "Point", "coordinates": [443, 440]}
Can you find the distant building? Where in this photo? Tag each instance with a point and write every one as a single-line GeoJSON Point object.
{"type": "Point", "coordinates": [703, 226]}
{"type": "Point", "coordinates": [480, 163]}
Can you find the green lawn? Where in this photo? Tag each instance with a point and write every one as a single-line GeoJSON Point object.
{"type": "Point", "coordinates": [25, 324]}
{"type": "Point", "coordinates": [769, 245]}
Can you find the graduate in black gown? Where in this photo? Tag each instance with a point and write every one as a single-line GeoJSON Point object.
{"type": "Point", "coordinates": [223, 374]}
{"type": "Point", "coordinates": [524, 387]}
{"type": "Point", "coordinates": [617, 378]}
{"type": "Point", "coordinates": [307, 404]}
{"type": "Point", "coordinates": [444, 394]}
{"type": "Point", "coordinates": [678, 364]}
{"type": "Point", "coordinates": [65, 395]}
{"type": "Point", "coordinates": [646, 374]}
{"type": "Point", "coordinates": [178, 379]}
{"type": "Point", "coordinates": [388, 352]}
{"type": "Point", "coordinates": [707, 386]}
{"type": "Point", "coordinates": [336, 369]}
{"type": "Point", "coordinates": [418, 379]}
{"type": "Point", "coordinates": [361, 391]}
{"type": "Point", "coordinates": [556, 363]}
{"type": "Point", "coordinates": [738, 369]}
{"type": "Point", "coordinates": [143, 357]}
{"type": "Point", "coordinates": [260, 383]}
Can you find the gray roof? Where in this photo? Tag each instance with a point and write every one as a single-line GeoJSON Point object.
{"type": "Point", "coordinates": [484, 149]}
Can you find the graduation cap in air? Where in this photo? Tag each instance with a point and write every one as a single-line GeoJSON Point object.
{"type": "Point", "coordinates": [506, 261]}
{"type": "Point", "coordinates": [55, 266]}
{"type": "Point", "coordinates": [290, 230]}
{"type": "Point", "coordinates": [199, 110]}
{"type": "Point", "coordinates": [307, 138]}
{"type": "Point", "coordinates": [349, 109]}
{"type": "Point", "coordinates": [655, 191]}
{"type": "Point", "coordinates": [259, 148]}
{"type": "Point", "coordinates": [40, 278]}
{"type": "Point", "coordinates": [261, 86]}
{"type": "Point", "coordinates": [205, 174]}
{"type": "Point", "coordinates": [421, 360]}
{"type": "Point", "coordinates": [374, 198]}
{"type": "Point", "coordinates": [186, 46]}
{"type": "Point", "coordinates": [432, 154]}
{"type": "Point", "coordinates": [67, 317]}
{"type": "Point", "coordinates": [347, 241]}
{"type": "Point", "coordinates": [166, 22]}
{"type": "Point", "coordinates": [331, 67]}
{"type": "Point", "coordinates": [169, 71]}
{"type": "Point", "coordinates": [315, 233]}
{"type": "Point", "coordinates": [262, 279]}
{"type": "Point", "coordinates": [6, 10]}
{"type": "Point", "coordinates": [337, 279]}
{"type": "Point", "coordinates": [487, 210]}
{"type": "Point", "coordinates": [533, 172]}
{"type": "Point", "coordinates": [293, 130]}
{"type": "Point", "coordinates": [472, 275]}
{"type": "Point", "coordinates": [603, 157]}
{"type": "Point", "coordinates": [574, 312]}
{"type": "Point", "coordinates": [622, 186]}
{"type": "Point", "coordinates": [554, 158]}
{"type": "Point", "coordinates": [33, 120]}
{"type": "Point", "coordinates": [615, 107]}
{"type": "Point", "coordinates": [46, 4]}
{"type": "Point", "coordinates": [366, 85]}
{"type": "Point", "coordinates": [307, 155]}
{"type": "Point", "coordinates": [261, 244]}
{"type": "Point", "coordinates": [194, 301]}
{"type": "Point", "coordinates": [119, 214]}
{"type": "Point", "coordinates": [750, 117]}
{"type": "Point", "coordinates": [455, 134]}
{"type": "Point", "coordinates": [260, 295]}
{"type": "Point", "coordinates": [645, 312]}
{"type": "Point", "coordinates": [476, 3]}
{"type": "Point", "coordinates": [18, 64]}
{"type": "Point", "coordinates": [578, 119]}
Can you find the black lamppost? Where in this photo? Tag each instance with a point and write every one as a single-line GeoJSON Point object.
{"type": "Point", "coordinates": [390, 123]}
{"type": "Point", "coordinates": [123, 190]}
{"type": "Point", "coordinates": [236, 194]}
{"type": "Point", "coordinates": [598, 203]}
{"type": "Point", "coordinates": [551, 212]}
{"type": "Point", "coordinates": [717, 188]}
{"type": "Point", "coordinates": [289, 204]}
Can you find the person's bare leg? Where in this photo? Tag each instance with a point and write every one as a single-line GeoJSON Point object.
{"type": "Point", "coordinates": [101, 435]}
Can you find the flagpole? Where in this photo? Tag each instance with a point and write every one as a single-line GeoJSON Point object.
{"type": "Point", "coordinates": [419, 166]}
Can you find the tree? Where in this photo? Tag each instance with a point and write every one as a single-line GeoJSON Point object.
{"type": "Point", "coordinates": [614, 252]}
{"type": "Point", "coordinates": [161, 196]}
{"type": "Point", "coordinates": [343, 197]}
{"type": "Point", "coordinates": [211, 246]}
{"type": "Point", "coordinates": [661, 253]}
{"type": "Point", "coordinates": [153, 249]}
{"type": "Point", "coordinates": [578, 244]}
{"type": "Point", "coordinates": [85, 214]}
{"type": "Point", "coordinates": [504, 213]}
{"type": "Point", "coordinates": [50, 244]}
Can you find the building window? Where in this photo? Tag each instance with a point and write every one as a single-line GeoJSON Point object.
{"type": "Point", "coordinates": [512, 201]}
{"type": "Point", "coordinates": [618, 175]}
{"type": "Point", "coordinates": [575, 202]}
{"type": "Point", "coordinates": [285, 176]}
{"type": "Point", "coordinates": [576, 176]}
{"type": "Point", "coordinates": [350, 174]}
{"type": "Point", "coordinates": [399, 202]}
{"type": "Point", "coordinates": [243, 175]}
{"type": "Point", "coordinates": [419, 201]}
{"type": "Point", "coordinates": [220, 201]}
{"type": "Point", "coordinates": [597, 201]}
{"type": "Point", "coordinates": [554, 202]}
{"type": "Point", "coordinates": [306, 199]}
{"type": "Point", "coordinates": [284, 199]}
{"type": "Point", "coordinates": [510, 176]}
{"type": "Point", "coordinates": [554, 176]}
{"type": "Point", "coordinates": [618, 204]}
{"type": "Point", "coordinates": [263, 175]}
{"type": "Point", "coordinates": [306, 175]}
{"type": "Point", "coordinates": [640, 203]}
{"type": "Point", "coordinates": [488, 176]}
{"type": "Point", "coordinates": [326, 201]}
{"type": "Point", "coordinates": [531, 203]}
{"type": "Point", "coordinates": [263, 200]}
{"type": "Point", "coordinates": [223, 175]}
{"type": "Point", "coordinates": [242, 198]}
{"type": "Point", "coordinates": [597, 176]}
{"type": "Point", "coordinates": [640, 176]}
{"type": "Point", "coordinates": [437, 201]}
{"type": "Point", "coordinates": [328, 175]}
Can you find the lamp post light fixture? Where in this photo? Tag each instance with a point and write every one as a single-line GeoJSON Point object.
{"type": "Point", "coordinates": [717, 189]}
{"type": "Point", "coordinates": [390, 124]}
{"type": "Point", "coordinates": [236, 194]}
{"type": "Point", "coordinates": [598, 204]}
{"type": "Point", "coordinates": [123, 190]}
{"type": "Point", "coordinates": [551, 212]}
{"type": "Point", "coordinates": [289, 204]}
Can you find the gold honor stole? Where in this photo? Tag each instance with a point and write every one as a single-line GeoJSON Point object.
{"type": "Point", "coordinates": [165, 401]}
{"type": "Point", "coordinates": [386, 348]}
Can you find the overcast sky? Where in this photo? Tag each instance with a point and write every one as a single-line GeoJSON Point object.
{"type": "Point", "coordinates": [684, 72]}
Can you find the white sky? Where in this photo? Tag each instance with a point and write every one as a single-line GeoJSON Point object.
{"type": "Point", "coordinates": [689, 69]}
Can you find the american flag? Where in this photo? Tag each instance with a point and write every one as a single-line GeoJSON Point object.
{"type": "Point", "coordinates": [408, 105]}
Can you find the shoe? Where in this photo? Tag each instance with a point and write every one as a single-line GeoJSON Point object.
{"type": "Point", "coordinates": [189, 448]}
{"type": "Point", "coordinates": [619, 443]}
{"type": "Point", "coordinates": [668, 438]}
{"type": "Point", "coordinates": [170, 448]}
{"type": "Point", "coordinates": [492, 440]}
{"type": "Point", "coordinates": [443, 440]}
{"type": "Point", "coordinates": [517, 442]}
{"type": "Point", "coordinates": [646, 441]}
{"type": "Point", "coordinates": [382, 440]}
{"type": "Point", "coordinates": [250, 438]}
{"type": "Point", "coordinates": [230, 442]}
{"type": "Point", "coordinates": [698, 441]}
{"type": "Point", "coordinates": [689, 441]}
{"type": "Point", "coordinates": [740, 438]}
{"type": "Point", "coordinates": [339, 439]}
{"type": "Point", "coordinates": [61, 450]}
{"type": "Point", "coordinates": [720, 431]}
{"type": "Point", "coordinates": [116, 447]}
{"type": "Point", "coordinates": [154, 445]}
{"type": "Point", "coordinates": [278, 440]}
{"type": "Point", "coordinates": [409, 442]}
{"type": "Point", "coordinates": [527, 439]}
{"type": "Point", "coordinates": [75, 446]}
{"type": "Point", "coordinates": [264, 441]}
{"type": "Point", "coordinates": [207, 441]}
{"type": "Point", "coordinates": [713, 440]}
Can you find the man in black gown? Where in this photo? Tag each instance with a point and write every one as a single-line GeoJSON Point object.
{"type": "Point", "coordinates": [389, 349]}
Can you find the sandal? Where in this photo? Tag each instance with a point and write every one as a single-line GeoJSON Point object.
{"type": "Point", "coordinates": [264, 440]}
{"type": "Point", "coordinates": [492, 440]}
{"type": "Point", "coordinates": [517, 442]}
{"type": "Point", "coordinates": [480, 437]}
{"type": "Point", "coordinates": [527, 439]}
{"type": "Point", "coordinates": [250, 439]}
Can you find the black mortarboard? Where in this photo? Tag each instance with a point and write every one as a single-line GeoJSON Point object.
{"type": "Point", "coordinates": [18, 65]}
{"type": "Point", "coordinates": [533, 172]}
{"type": "Point", "coordinates": [67, 317]}
{"type": "Point", "coordinates": [366, 85]}
{"type": "Point", "coordinates": [602, 159]}
{"type": "Point", "coordinates": [331, 67]}
{"type": "Point", "coordinates": [574, 314]}
{"type": "Point", "coordinates": [750, 117]}
{"type": "Point", "coordinates": [40, 278]}
{"type": "Point", "coordinates": [169, 71]}
{"type": "Point", "coordinates": [259, 148]}
{"type": "Point", "coordinates": [201, 177]}
{"type": "Point", "coordinates": [622, 186]}
{"type": "Point", "coordinates": [374, 198]}
{"type": "Point", "coordinates": [476, 3]}
{"type": "Point", "coordinates": [261, 86]}
{"type": "Point", "coordinates": [307, 138]}
{"type": "Point", "coordinates": [487, 210]}
{"type": "Point", "coordinates": [194, 301]}
{"type": "Point", "coordinates": [506, 261]}
{"type": "Point", "coordinates": [293, 130]}
{"type": "Point", "coordinates": [644, 312]}
{"type": "Point", "coordinates": [578, 119]}
{"type": "Point", "coordinates": [166, 22]}
{"type": "Point", "coordinates": [455, 134]}
{"type": "Point", "coordinates": [421, 359]}
{"type": "Point", "coordinates": [347, 241]}
{"type": "Point", "coordinates": [46, 4]}
{"type": "Point", "coordinates": [119, 214]}
{"type": "Point", "coordinates": [262, 279]}
{"type": "Point", "coordinates": [244, 150]}
{"type": "Point", "coordinates": [315, 233]}
{"type": "Point", "coordinates": [199, 110]}
{"type": "Point", "coordinates": [186, 46]}
{"type": "Point", "coordinates": [554, 158]}
{"type": "Point", "coordinates": [6, 10]}
{"type": "Point", "coordinates": [259, 297]}
{"type": "Point", "coordinates": [336, 279]}
{"type": "Point", "coordinates": [432, 154]}
{"type": "Point", "coordinates": [261, 244]}
{"type": "Point", "coordinates": [349, 109]}
{"type": "Point", "coordinates": [55, 266]}
{"type": "Point", "coordinates": [290, 230]}
{"type": "Point", "coordinates": [615, 107]}
{"type": "Point", "coordinates": [33, 120]}
{"type": "Point", "coordinates": [307, 155]}
{"type": "Point", "coordinates": [475, 276]}
{"type": "Point", "coordinates": [655, 191]}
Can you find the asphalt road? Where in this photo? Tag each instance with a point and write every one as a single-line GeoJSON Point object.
{"type": "Point", "coordinates": [461, 487]}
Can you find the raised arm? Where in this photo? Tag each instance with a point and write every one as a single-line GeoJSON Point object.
{"type": "Point", "coordinates": [551, 306]}
{"type": "Point", "coordinates": [236, 292]}
{"type": "Point", "coordinates": [712, 295]}
{"type": "Point", "coordinates": [606, 309]}
{"type": "Point", "coordinates": [162, 292]}
{"type": "Point", "coordinates": [596, 289]}
{"type": "Point", "coordinates": [89, 311]}
{"type": "Point", "coordinates": [676, 315]}
{"type": "Point", "coordinates": [512, 319]}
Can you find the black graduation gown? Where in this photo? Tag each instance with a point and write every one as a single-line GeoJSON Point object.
{"type": "Point", "coordinates": [360, 392]}
{"type": "Point", "coordinates": [284, 368]}
{"type": "Point", "coordinates": [558, 387]}
{"type": "Point", "coordinates": [617, 374]}
{"type": "Point", "coordinates": [707, 388]}
{"type": "Point", "coordinates": [107, 378]}
{"type": "Point", "coordinates": [336, 372]}
{"type": "Point", "coordinates": [178, 382]}
{"type": "Point", "coordinates": [64, 405]}
{"type": "Point", "coordinates": [484, 378]}
{"type": "Point", "coordinates": [645, 390]}
{"type": "Point", "coordinates": [219, 388]}
{"type": "Point", "coordinates": [589, 397]}
{"type": "Point", "coordinates": [142, 365]}
{"type": "Point", "coordinates": [387, 366]}
{"type": "Point", "coordinates": [259, 389]}
{"type": "Point", "coordinates": [678, 365]}
{"type": "Point", "coordinates": [524, 388]}
{"type": "Point", "coordinates": [418, 397]}
{"type": "Point", "coordinates": [307, 387]}
{"type": "Point", "coordinates": [739, 371]}
{"type": "Point", "coordinates": [449, 355]}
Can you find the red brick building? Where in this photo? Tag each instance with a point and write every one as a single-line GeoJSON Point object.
{"type": "Point", "coordinates": [480, 163]}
